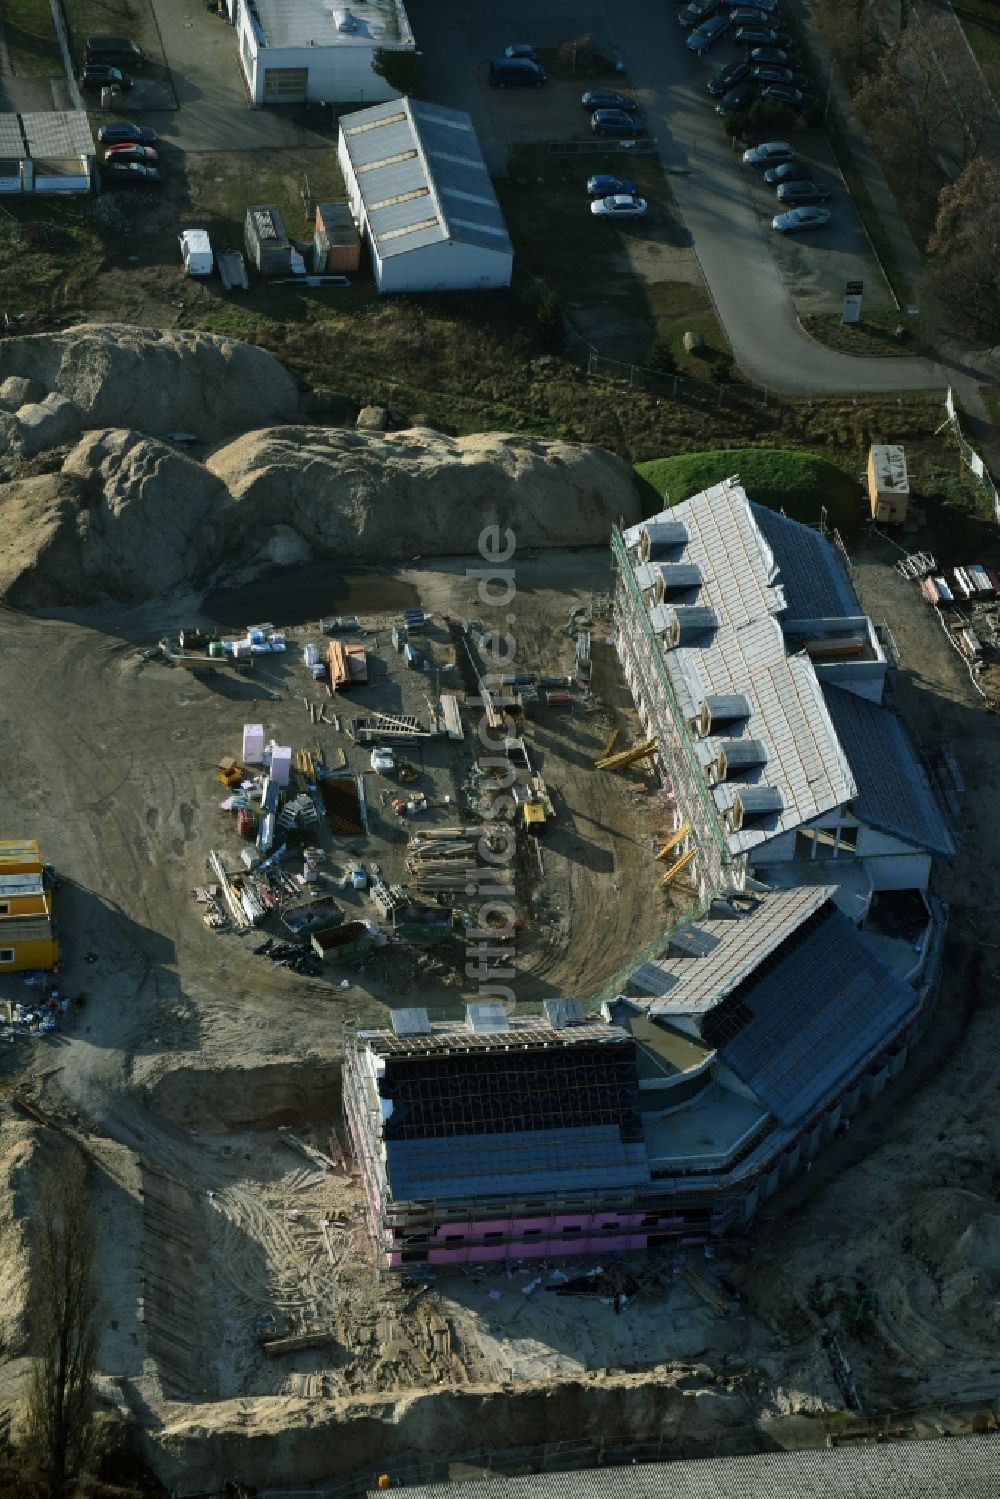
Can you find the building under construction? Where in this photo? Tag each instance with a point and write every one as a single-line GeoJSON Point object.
{"type": "Point", "coordinates": [755, 1029]}
{"type": "Point", "coordinates": [667, 1119]}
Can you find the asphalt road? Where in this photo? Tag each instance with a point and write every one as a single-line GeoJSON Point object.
{"type": "Point", "coordinates": [707, 178]}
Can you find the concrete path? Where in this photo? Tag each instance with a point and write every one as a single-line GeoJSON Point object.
{"type": "Point", "coordinates": [22, 95]}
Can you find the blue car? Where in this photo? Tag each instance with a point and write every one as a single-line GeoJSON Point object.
{"type": "Point", "coordinates": [709, 32]}
{"type": "Point", "coordinates": [606, 186]}
{"type": "Point", "coordinates": [616, 122]}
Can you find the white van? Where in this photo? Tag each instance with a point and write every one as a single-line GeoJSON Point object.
{"type": "Point", "coordinates": [196, 252]}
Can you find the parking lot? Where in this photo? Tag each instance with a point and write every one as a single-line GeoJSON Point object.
{"type": "Point", "coordinates": [670, 83]}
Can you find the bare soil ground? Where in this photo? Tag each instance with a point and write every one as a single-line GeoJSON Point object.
{"type": "Point", "coordinates": [192, 1061]}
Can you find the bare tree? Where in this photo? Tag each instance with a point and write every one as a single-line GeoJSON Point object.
{"type": "Point", "coordinates": [963, 273]}
{"type": "Point", "coordinates": [59, 1421]}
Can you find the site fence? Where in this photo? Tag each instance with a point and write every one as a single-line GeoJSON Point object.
{"type": "Point", "coordinates": [970, 457]}
{"type": "Point", "coordinates": [671, 387]}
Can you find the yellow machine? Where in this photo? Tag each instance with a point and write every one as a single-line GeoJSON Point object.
{"type": "Point", "coordinates": [534, 817]}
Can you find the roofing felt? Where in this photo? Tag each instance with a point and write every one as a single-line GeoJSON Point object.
{"type": "Point", "coordinates": [812, 574]}
{"type": "Point", "coordinates": [422, 178]}
{"type": "Point", "coordinates": [894, 793]}
{"type": "Point", "coordinates": [747, 655]}
{"type": "Point", "coordinates": [809, 1015]}
{"type": "Point", "coordinates": [932, 1469]}
{"type": "Point", "coordinates": [465, 1166]}
{"type": "Point", "coordinates": [692, 985]}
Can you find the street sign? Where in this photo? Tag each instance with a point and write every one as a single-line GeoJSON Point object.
{"type": "Point", "coordinates": [852, 302]}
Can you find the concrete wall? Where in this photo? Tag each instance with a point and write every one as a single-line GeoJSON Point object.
{"type": "Point", "coordinates": [445, 266]}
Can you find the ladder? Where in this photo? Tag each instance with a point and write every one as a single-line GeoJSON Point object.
{"type": "Point", "coordinates": [675, 869]}
{"type": "Point", "coordinates": [673, 841]}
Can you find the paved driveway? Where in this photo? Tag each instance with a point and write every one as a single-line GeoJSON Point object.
{"type": "Point", "coordinates": [752, 301]}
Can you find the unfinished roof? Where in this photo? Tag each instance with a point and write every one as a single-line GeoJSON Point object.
{"type": "Point", "coordinates": [422, 178]}
{"type": "Point", "coordinates": [813, 577]}
{"type": "Point", "coordinates": [691, 985]}
{"type": "Point", "coordinates": [521, 1034]}
{"type": "Point", "coordinates": [893, 793]}
{"type": "Point", "coordinates": [320, 23]}
{"type": "Point", "coordinates": [746, 655]}
{"type": "Point", "coordinates": [969, 1466]}
{"type": "Point", "coordinates": [808, 1016]}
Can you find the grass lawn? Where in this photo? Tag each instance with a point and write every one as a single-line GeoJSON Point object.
{"type": "Point", "coordinates": [31, 39]}
{"type": "Point", "coordinates": [613, 280]}
{"type": "Point", "coordinates": [874, 335]}
{"type": "Point", "coordinates": [50, 257]}
{"type": "Point", "coordinates": [222, 186]}
{"type": "Point", "coordinates": [798, 483]}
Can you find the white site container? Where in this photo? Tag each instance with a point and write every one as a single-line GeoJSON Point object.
{"type": "Point", "coordinates": [281, 764]}
{"type": "Point", "coordinates": [196, 252]}
{"type": "Point", "coordinates": [253, 744]}
{"type": "Point", "coordinates": [310, 655]}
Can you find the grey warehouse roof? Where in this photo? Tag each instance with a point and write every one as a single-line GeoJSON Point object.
{"type": "Point", "coordinates": [51, 134]}
{"type": "Point", "coordinates": [894, 793]}
{"type": "Point", "coordinates": [322, 23]}
{"type": "Point", "coordinates": [934, 1469]}
{"type": "Point", "coordinates": [422, 178]}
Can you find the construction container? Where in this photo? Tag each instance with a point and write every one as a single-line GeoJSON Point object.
{"type": "Point", "coordinates": [253, 744]}
{"type": "Point", "coordinates": [246, 823]}
{"type": "Point", "coordinates": [414, 659]}
{"type": "Point", "coordinates": [281, 764]}
{"type": "Point", "coordinates": [399, 637]}
{"type": "Point", "coordinates": [193, 640]}
{"type": "Point", "coordinates": [888, 484]}
{"type": "Point", "coordinates": [557, 697]}
{"type": "Point", "coordinates": [267, 245]}
{"type": "Point", "coordinates": [310, 654]}
{"type": "Point", "coordinates": [336, 242]}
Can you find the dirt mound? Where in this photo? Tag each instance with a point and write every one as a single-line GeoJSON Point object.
{"type": "Point", "coordinates": [156, 380]}
{"type": "Point", "coordinates": [369, 495]}
{"type": "Point", "coordinates": [131, 517]}
{"type": "Point", "coordinates": [15, 1167]}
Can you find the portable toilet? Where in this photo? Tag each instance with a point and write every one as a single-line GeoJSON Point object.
{"type": "Point", "coordinates": [253, 744]}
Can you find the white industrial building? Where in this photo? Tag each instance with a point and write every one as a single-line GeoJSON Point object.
{"type": "Point", "coordinates": [47, 152]}
{"type": "Point", "coordinates": [313, 51]}
{"type": "Point", "coordinates": [422, 199]}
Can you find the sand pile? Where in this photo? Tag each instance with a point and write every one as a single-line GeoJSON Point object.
{"type": "Point", "coordinates": [130, 517]}
{"type": "Point", "coordinates": [55, 385]}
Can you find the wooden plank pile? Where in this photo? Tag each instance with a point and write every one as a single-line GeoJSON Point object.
{"type": "Point", "coordinates": [447, 859]}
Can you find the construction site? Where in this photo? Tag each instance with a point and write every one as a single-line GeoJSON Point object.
{"type": "Point", "coordinates": [475, 1015]}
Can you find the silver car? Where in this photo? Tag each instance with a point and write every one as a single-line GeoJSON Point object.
{"type": "Point", "coordinates": [621, 206]}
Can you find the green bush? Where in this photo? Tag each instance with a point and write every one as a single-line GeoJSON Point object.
{"type": "Point", "coordinates": [661, 357]}
{"type": "Point", "coordinates": [771, 117]}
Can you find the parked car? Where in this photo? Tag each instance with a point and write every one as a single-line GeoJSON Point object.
{"type": "Point", "coordinates": [772, 54]}
{"type": "Point", "coordinates": [522, 49]}
{"type": "Point", "coordinates": [516, 72]}
{"type": "Point", "coordinates": [755, 36]}
{"type": "Point", "coordinates": [748, 15]}
{"type": "Point", "coordinates": [124, 133]}
{"type": "Point", "coordinates": [740, 97]}
{"type": "Point", "coordinates": [620, 206]}
{"type": "Point", "coordinates": [768, 153]}
{"type": "Point", "coordinates": [708, 33]}
{"type": "Point", "coordinates": [727, 77]}
{"type": "Point", "coordinates": [770, 73]}
{"type": "Point", "coordinates": [113, 51]}
{"type": "Point", "coordinates": [801, 191]}
{"type": "Point", "coordinates": [799, 219]}
{"type": "Point", "coordinates": [784, 93]}
{"type": "Point", "coordinates": [132, 153]}
{"type": "Point", "coordinates": [786, 171]}
{"type": "Point", "coordinates": [602, 98]}
{"type": "Point", "coordinates": [131, 174]}
{"type": "Point", "coordinates": [615, 122]}
{"type": "Point", "coordinates": [697, 11]}
{"type": "Point", "coordinates": [606, 186]}
{"type": "Point", "coordinates": [93, 79]}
